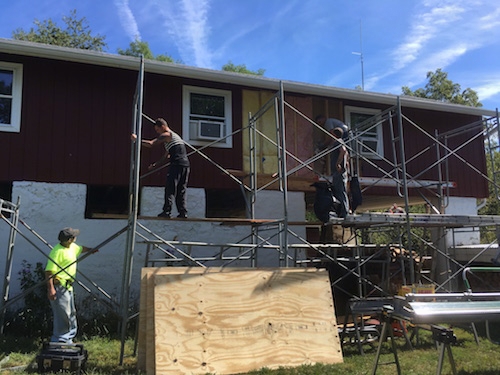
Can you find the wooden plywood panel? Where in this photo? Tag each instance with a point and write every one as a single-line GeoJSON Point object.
{"type": "Point", "coordinates": [141, 335]}
{"type": "Point", "coordinates": [299, 133]}
{"type": "Point", "coordinates": [239, 320]}
{"type": "Point", "coordinates": [267, 152]}
{"type": "Point", "coordinates": [150, 325]}
{"type": "Point", "coordinates": [145, 339]}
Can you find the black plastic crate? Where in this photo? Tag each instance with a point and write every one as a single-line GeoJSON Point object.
{"type": "Point", "coordinates": [56, 357]}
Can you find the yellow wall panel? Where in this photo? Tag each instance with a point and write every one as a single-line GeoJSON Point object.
{"type": "Point", "coordinates": [298, 132]}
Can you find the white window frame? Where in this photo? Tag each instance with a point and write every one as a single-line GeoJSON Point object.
{"type": "Point", "coordinates": [189, 132]}
{"type": "Point", "coordinates": [375, 134]}
{"type": "Point", "coordinates": [17, 94]}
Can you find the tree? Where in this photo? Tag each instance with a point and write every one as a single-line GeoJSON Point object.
{"type": "Point", "coordinates": [439, 87]}
{"type": "Point", "coordinates": [492, 206]}
{"type": "Point", "coordinates": [137, 48]}
{"type": "Point", "coordinates": [230, 67]}
{"type": "Point", "coordinates": [77, 34]}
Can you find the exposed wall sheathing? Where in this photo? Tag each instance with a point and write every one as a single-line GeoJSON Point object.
{"type": "Point", "coordinates": [298, 132]}
{"type": "Point", "coordinates": [229, 321]}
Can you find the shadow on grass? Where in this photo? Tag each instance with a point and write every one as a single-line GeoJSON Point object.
{"type": "Point", "coordinates": [26, 345]}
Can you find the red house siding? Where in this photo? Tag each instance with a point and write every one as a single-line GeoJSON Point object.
{"type": "Point", "coordinates": [76, 123]}
{"type": "Point", "coordinates": [468, 182]}
{"type": "Point", "coordinates": [77, 119]}
{"type": "Point", "coordinates": [73, 116]}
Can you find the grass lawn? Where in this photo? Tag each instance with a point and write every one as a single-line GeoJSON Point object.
{"type": "Point", "coordinates": [18, 357]}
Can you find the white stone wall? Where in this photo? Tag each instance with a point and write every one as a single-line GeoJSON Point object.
{"type": "Point", "coordinates": [47, 208]}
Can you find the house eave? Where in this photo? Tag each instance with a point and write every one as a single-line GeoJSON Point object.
{"type": "Point", "coordinates": [15, 47]}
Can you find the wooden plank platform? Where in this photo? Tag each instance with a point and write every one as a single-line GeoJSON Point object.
{"type": "Point", "coordinates": [418, 220]}
{"type": "Point", "coordinates": [221, 220]}
{"type": "Point", "coordinates": [358, 220]}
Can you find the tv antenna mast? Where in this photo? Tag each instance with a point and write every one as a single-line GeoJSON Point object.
{"type": "Point", "coordinates": [360, 54]}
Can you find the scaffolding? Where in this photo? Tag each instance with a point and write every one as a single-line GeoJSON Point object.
{"type": "Point", "coordinates": [179, 252]}
{"type": "Point", "coordinates": [403, 255]}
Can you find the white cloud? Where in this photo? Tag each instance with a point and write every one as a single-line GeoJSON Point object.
{"type": "Point", "coordinates": [491, 20]}
{"type": "Point", "coordinates": [197, 30]}
{"type": "Point", "coordinates": [186, 22]}
{"type": "Point", "coordinates": [489, 89]}
{"type": "Point", "coordinates": [127, 19]}
{"type": "Point", "coordinates": [442, 34]}
{"type": "Point", "coordinates": [425, 28]}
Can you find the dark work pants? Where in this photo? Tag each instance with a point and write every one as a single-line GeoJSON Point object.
{"type": "Point", "coordinates": [175, 189]}
{"type": "Point", "coordinates": [339, 182]}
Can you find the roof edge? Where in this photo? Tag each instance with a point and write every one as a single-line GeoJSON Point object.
{"type": "Point", "coordinates": [12, 46]}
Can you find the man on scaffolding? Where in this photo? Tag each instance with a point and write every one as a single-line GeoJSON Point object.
{"type": "Point", "coordinates": [178, 170]}
{"type": "Point", "coordinates": [339, 160]}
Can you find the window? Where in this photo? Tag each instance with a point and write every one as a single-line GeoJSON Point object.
{"type": "Point", "coordinates": [11, 84]}
{"type": "Point", "coordinates": [365, 123]}
{"type": "Point", "coordinates": [207, 116]}
{"type": "Point", "coordinates": [106, 201]}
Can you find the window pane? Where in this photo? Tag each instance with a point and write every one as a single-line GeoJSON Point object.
{"type": "Point", "coordinates": [369, 146]}
{"type": "Point", "coordinates": [5, 110]}
{"type": "Point", "coordinates": [207, 105]}
{"type": "Point", "coordinates": [357, 118]}
{"type": "Point", "coordinates": [6, 77]}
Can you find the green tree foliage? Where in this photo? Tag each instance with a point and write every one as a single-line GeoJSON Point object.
{"type": "Point", "coordinates": [439, 87]}
{"type": "Point", "coordinates": [230, 67]}
{"type": "Point", "coordinates": [34, 318]}
{"type": "Point", "coordinates": [492, 206]}
{"type": "Point", "coordinates": [137, 48]}
{"type": "Point", "coordinates": [77, 34]}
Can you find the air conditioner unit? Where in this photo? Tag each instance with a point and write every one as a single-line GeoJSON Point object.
{"type": "Point", "coordinates": [209, 129]}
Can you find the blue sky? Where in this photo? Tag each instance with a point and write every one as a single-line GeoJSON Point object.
{"type": "Point", "coordinates": [308, 41]}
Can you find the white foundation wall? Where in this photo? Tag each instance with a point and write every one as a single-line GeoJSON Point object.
{"type": "Point", "coordinates": [47, 208]}
{"type": "Point", "coordinates": [465, 236]}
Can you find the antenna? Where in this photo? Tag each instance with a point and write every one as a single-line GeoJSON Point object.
{"type": "Point", "coordinates": [360, 54]}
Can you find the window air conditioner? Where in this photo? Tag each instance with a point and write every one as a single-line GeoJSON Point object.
{"type": "Point", "coordinates": [209, 130]}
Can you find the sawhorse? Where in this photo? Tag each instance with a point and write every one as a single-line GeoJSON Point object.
{"type": "Point", "coordinates": [388, 330]}
{"type": "Point", "coordinates": [444, 337]}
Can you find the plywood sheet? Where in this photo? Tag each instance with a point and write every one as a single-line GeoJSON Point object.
{"type": "Point", "coordinates": [253, 101]}
{"type": "Point", "coordinates": [145, 337]}
{"type": "Point", "coordinates": [141, 332]}
{"type": "Point", "coordinates": [150, 325]}
{"type": "Point", "coordinates": [299, 133]}
{"type": "Point", "coordinates": [242, 319]}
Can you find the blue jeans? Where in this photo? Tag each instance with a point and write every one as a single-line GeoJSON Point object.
{"type": "Point", "coordinates": [64, 313]}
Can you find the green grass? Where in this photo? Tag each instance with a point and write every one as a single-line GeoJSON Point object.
{"type": "Point", "coordinates": [470, 358]}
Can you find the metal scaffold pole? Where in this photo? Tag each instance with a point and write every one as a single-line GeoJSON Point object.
{"type": "Point", "coordinates": [135, 164]}
{"type": "Point", "coordinates": [405, 190]}
{"type": "Point", "coordinates": [13, 210]}
{"type": "Point", "coordinates": [252, 139]}
{"type": "Point", "coordinates": [283, 175]}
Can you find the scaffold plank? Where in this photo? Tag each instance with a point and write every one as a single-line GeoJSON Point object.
{"type": "Point", "coordinates": [221, 220]}
{"type": "Point", "coordinates": [418, 220]}
{"type": "Point", "coordinates": [432, 184]}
